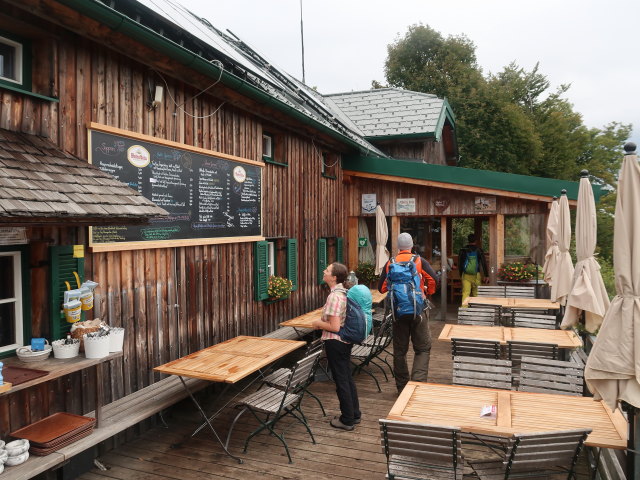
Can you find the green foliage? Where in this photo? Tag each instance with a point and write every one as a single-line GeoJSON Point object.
{"type": "Point", "coordinates": [366, 274]}
{"type": "Point", "coordinates": [279, 287]}
{"type": "Point", "coordinates": [608, 276]}
{"type": "Point", "coordinates": [511, 121]}
{"type": "Point", "coordinates": [517, 272]}
{"type": "Point", "coordinates": [517, 237]}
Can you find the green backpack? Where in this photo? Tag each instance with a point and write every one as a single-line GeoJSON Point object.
{"type": "Point", "coordinates": [471, 262]}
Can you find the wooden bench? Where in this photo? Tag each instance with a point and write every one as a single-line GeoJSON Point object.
{"type": "Point", "coordinates": [116, 417]}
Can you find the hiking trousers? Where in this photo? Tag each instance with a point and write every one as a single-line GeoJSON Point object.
{"type": "Point", "coordinates": [470, 284]}
{"type": "Point", "coordinates": [339, 359]}
{"type": "Point", "coordinates": [407, 328]}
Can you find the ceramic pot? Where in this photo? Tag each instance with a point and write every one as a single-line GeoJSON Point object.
{"type": "Point", "coordinates": [17, 460]}
{"type": "Point", "coordinates": [17, 447]}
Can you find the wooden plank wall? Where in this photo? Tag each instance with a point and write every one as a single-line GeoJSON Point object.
{"type": "Point", "coordinates": [460, 203]}
{"type": "Point", "coordinates": [172, 301]}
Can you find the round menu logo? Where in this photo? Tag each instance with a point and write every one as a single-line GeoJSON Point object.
{"type": "Point", "coordinates": [239, 174]}
{"type": "Point", "coordinates": [138, 156]}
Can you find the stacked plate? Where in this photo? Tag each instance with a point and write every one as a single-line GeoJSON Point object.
{"type": "Point", "coordinates": [55, 431]}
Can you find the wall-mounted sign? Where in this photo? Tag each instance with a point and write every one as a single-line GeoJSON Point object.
{"type": "Point", "coordinates": [13, 236]}
{"type": "Point", "coordinates": [405, 205]}
{"type": "Point", "coordinates": [369, 203]}
{"type": "Point", "coordinates": [441, 205]}
{"type": "Point", "coordinates": [363, 242]}
{"type": "Point", "coordinates": [485, 204]}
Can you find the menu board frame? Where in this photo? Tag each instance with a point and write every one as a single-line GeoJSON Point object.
{"type": "Point", "coordinates": [176, 242]}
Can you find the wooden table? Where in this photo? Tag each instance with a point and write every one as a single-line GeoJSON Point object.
{"type": "Point", "coordinates": [562, 338]}
{"type": "Point", "coordinates": [228, 362]}
{"type": "Point", "coordinates": [517, 412]}
{"type": "Point", "coordinates": [305, 320]}
{"type": "Point", "coordinates": [508, 302]}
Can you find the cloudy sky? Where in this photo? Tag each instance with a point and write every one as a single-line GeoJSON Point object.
{"type": "Point", "coordinates": [593, 45]}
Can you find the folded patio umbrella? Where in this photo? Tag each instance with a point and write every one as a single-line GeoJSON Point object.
{"type": "Point", "coordinates": [365, 254]}
{"type": "Point", "coordinates": [382, 235]}
{"type": "Point", "coordinates": [551, 258]}
{"type": "Point", "coordinates": [588, 293]}
{"type": "Point", "coordinates": [613, 368]}
{"type": "Point", "coordinates": [563, 271]}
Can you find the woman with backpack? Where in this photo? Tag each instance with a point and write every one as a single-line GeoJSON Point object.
{"type": "Point", "coordinates": [338, 351]}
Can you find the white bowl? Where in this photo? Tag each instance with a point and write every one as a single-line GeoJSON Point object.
{"type": "Point", "coordinates": [66, 350]}
{"type": "Point", "coordinates": [26, 355]}
{"type": "Point", "coordinates": [3, 456]}
{"type": "Point", "coordinates": [17, 460]}
{"type": "Point", "coordinates": [2, 444]}
{"type": "Point", "coordinates": [17, 447]}
{"type": "Point", "coordinates": [2, 468]}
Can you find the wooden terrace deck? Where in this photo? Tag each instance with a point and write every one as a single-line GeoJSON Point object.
{"type": "Point", "coordinates": [337, 454]}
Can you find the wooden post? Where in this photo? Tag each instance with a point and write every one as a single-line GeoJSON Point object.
{"type": "Point", "coordinates": [477, 229]}
{"type": "Point", "coordinates": [496, 245]}
{"type": "Point", "coordinates": [444, 248]}
{"type": "Point", "coordinates": [395, 231]}
{"type": "Point", "coordinates": [352, 242]}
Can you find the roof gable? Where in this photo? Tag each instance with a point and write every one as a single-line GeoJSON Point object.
{"type": "Point", "coordinates": [394, 112]}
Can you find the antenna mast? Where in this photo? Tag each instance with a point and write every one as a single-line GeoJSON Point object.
{"type": "Point", "coordinates": [302, 42]}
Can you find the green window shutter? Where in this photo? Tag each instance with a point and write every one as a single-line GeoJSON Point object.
{"type": "Point", "coordinates": [322, 259]}
{"type": "Point", "coordinates": [292, 262]}
{"type": "Point", "coordinates": [340, 249]}
{"type": "Point", "coordinates": [63, 264]}
{"type": "Point", "coordinates": [261, 275]}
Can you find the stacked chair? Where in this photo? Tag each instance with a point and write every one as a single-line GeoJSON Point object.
{"type": "Point", "coordinates": [533, 320]}
{"type": "Point", "coordinates": [491, 291]}
{"type": "Point", "coordinates": [465, 347]}
{"type": "Point", "coordinates": [514, 291]}
{"type": "Point", "coordinates": [551, 376]}
{"type": "Point", "coordinates": [482, 372]}
{"type": "Point", "coordinates": [478, 315]}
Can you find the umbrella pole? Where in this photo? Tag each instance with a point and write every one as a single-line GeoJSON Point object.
{"type": "Point", "coordinates": [633, 442]}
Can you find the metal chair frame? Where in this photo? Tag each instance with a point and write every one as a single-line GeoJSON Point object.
{"type": "Point", "coordinates": [468, 347]}
{"type": "Point", "coordinates": [364, 355]}
{"type": "Point", "coordinates": [275, 403]}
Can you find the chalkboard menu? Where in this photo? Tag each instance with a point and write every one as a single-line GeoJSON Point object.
{"type": "Point", "coordinates": [207, 196]}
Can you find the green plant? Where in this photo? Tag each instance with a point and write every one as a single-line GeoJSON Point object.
{"type": "Point", "coordinates": [517, 272]}
{"type": "Point", "coordinates": [366, 274]}
{"type": "Point", "coordinates": [279, 287]}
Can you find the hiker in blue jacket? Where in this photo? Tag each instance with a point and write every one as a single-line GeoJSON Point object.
{"type": "Point", "coordinates": [473, 268]}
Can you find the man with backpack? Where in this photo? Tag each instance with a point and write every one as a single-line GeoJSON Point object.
{"type": "Point", "coordinates": [410, 280]}
{"type": "Point", "coordinates": [473, 268]}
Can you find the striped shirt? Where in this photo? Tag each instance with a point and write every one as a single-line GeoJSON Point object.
{"type": "Point", "coordinates": [335, 306]}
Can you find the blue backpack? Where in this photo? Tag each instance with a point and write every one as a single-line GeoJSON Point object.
{"type": "Point", "coordinates": [405, 288]}
{"type": "Point", "coordinates": [354, 329]}
{"type": "Point", "coordinates": [471, 262]}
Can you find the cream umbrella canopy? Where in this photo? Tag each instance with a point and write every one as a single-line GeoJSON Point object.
{"type": "Point", "coordinates": [588, 293]}
{"type": "Point", "coordinates": [563, 271]}
{"type": "Point", "coordinates": [551, 258]}
{"type": "Point", "coordinates": [613, 368]}
{"type": "Point", "coordinates": [382, 235]}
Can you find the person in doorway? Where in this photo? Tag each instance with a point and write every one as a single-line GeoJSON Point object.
{"type": "Point", "coordinates": [473, 268]}
{"type": "Point", "coordinates": [338, 351]}
{"type": "Point", "coordinates": [414, 327]}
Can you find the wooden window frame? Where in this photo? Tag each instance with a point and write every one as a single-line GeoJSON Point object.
{"type": "Point", "coordinates": [278, 154]}
{"type": "Point", "coordinates": [23, 62]}
{"type": "Point", "coordinates": [329, 167]}
{"type": "Point", "coordinates": [21, 297]}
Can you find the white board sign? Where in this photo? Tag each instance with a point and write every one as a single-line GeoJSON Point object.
{"type": "Point", "coordinates": [369, 203]}
{"type": "Point", "coordinates": [406, 205]}
{"type": "Point", "coordinates": [13, 236]}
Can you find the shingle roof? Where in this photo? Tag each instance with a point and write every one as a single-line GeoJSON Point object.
{"type": "Point", "coordinates": [41, 183]}
{"type": "Point", "coordinates": [393, 112]}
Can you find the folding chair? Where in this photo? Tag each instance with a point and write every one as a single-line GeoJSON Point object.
{"type": "Point", "coordinates": [533, 320]}
{"type": "Point", "coordinates": [420, 451]}
{"type": "Point", "coordinates": [536, 455]}
{"type": "Point", "coordinates": [275, 403]}
{"type": "Point", "coordinates": [364, 355]}
{"type": "Point", "coordinates": [477, 316]}
{"type": "Point", "coordinates": [513, 291]}
{"type": "Point", "coordinates": [551, 376]}
{"type": "Point", "coordinates": [491, 291]}
{"type": "Point", "coordinates": [517, 350]}
{"type": "Point", "coordinates": [466, 347]}
{"type": "Point", "coordinates": [280, 377]}
{"type": "Point", "coordinates": [482, 372]}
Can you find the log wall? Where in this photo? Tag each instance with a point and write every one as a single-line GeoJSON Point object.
{"type": "Point", "coordinates": [172, 301]}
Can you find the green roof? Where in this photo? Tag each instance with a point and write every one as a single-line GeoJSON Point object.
{"type": "Point", "coordinates": [508, 182]}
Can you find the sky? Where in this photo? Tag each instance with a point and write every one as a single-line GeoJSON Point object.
{"type": "Point", "coordinates": [592, 45]}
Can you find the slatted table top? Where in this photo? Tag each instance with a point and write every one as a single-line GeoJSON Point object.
{"type": "Point", "coordinates": [532, 303]}
{"type": "Point", "coordinates": [304, 321]}
{"type": "Point", "coordinates": [232, 360]}
{"type": "Point", "coordinates": [562, 338]}
{"type": "Point", "coordinates": [517, 412]}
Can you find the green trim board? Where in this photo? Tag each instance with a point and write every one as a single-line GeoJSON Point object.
{"type": "Point", "coordinates": [508, 182]}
